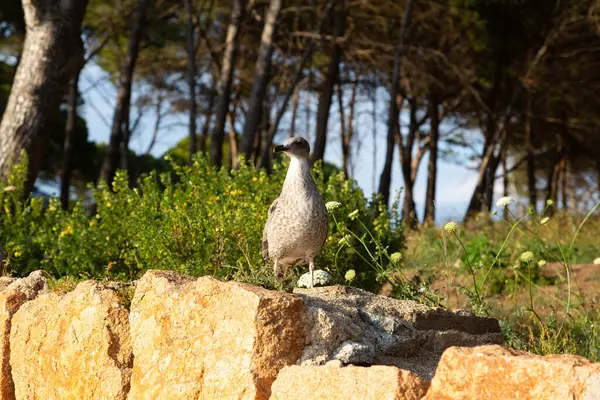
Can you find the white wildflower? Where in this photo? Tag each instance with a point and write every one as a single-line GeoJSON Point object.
{"type": "Point", "coordinates": [541, 263]}
{"type": "Point", "coordinates": [597, 261]}
{"type": "Point", "coordinates": [350, 275]}
{"type": "Point", "coordinates": [345, 240]}
{"type": "Point", "coordinates": [504, 201]}
{"type": "Point", "coordinates": [332, 205]}
{"type": "Point", "coordinates": [526, 257]}
{"type": "Point", "coordinates": [396, 257]}
{"type": "Point", "coordinates": [322, 278]}
{"type": "Point", "coordinates": [451, 227]}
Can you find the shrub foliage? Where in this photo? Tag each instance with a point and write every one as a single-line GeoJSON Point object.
{"type": "Point", "coordinates": [196, 220]}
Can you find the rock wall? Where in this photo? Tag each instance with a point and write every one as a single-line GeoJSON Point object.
{"type": "Point", "coordinates": [187, 338]}
{"type": "Point", "coordinates": [208, 339]}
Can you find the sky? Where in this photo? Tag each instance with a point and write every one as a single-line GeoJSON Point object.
{"type": "Point", "coordinates": [455, 183]}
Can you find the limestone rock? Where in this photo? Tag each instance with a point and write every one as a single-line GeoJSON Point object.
{"type": "Point", "coordinates": [72, 346]}
{"type": "Point", "coordinates": [209, 339]}
{"type": "Point", "coordinates": [15, 292]}
{"type": "Point", "coordinates": [492, 372]}
{"type": "Point", "coordinates": [358, 327]}
{"type": "Point", "coordinates": [355, 353]}
{"type": "Point", "coordinates": [365, 383]}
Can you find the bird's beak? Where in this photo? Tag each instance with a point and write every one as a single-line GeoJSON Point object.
{"type": "Point", "coordinates": [280, 148]}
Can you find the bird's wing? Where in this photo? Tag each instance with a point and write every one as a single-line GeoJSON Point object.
{"type": "Point", "coordinates": [265, 243]}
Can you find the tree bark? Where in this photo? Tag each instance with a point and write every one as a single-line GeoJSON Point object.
{"type": "Point", "coordinates": [52, 54]}
{"type": "Point", "coordinates": [121, 114]}
{"type": "Point", "coordinates": [261, 79]}
{"type": "Point", "coordinates": [308, 105]}
{"type": "Point", "coordinates": [340, 99]}
{"type": "Point", "coordinates": [505, 181]}
{"type": "Point", "coordinates": [262, 154]}
{"type": "Point", "coordinates": [385, 180]}
{"type": "Point", "coordinates": [126, 135]}
{"type": "Point", "coordinates": [233, 142]}
{"type": "Point", "coordinates": [67, 164]}
{"type": "Point", "coordinates": [552, 184]}
{"type": "Point", "coordinates": [293, 90]}
{"type": "Point", "coordinates": [554, 174]}
{"type": "Point", "coordinates": [295, 103]}
{"type": "Point", "coordinates": [348, 164]}
{"type": "Point", "coordinates": [225, 82]}
{"type": "Point", "coordinates": [409, 210]}
{"type": "Point", "coordinates": [531, 181]}
{"type": "Point", "coordinates": [564, 182]}
{"type": "Point", "coordinates": [191, 78]}
{"type": "Point", "coordinates": [598, 172]}
{"type": "Point", "coordinates": [374, 138]}
{"type": "Point", "coordinates": [346, 131]}
{"type": "Point", "coordinates": [327, 87]}
{"type": "Point", "coordinates": [491, 176]}
{"type": "Point", "coordinates": [493, 135]}
{"type": "Point", "coordinates": [207, 118]}
{"type": "Point", "coordinates": [157, 123]}
{"type": "Point", "coordinates": [434, 136]}
{"type": "Point", "coordinates": [477, 199]}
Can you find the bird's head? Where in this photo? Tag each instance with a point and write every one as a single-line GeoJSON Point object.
{"type": "Point", "coordinates": [294, 147]}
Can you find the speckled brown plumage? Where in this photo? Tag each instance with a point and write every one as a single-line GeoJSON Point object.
{"type": "Point", "coordinates": [296, 226]}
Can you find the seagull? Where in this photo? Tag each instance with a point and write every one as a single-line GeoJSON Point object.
{"type": "Point", "coordinates": [296, 227]}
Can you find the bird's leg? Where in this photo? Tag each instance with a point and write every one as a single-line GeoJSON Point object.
{"type": "Point", "coordinates": [311, 265]}
{"type": "Point", "coordinates": [276, 269]}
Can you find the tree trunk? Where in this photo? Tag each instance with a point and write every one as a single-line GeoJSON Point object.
{"type": "Point", "coordinates": [293, 90]}
{"type": "Point", "coordinates": [67, 164]}
{"type": "Point", "coordinates": [262, 155]}
{"type": "Point", "coordinates": [531, 184]}
{"type": "Point", "coordinates": [349, 166]}
{"type": "Point", "coordinates": [233, 151]}
{"type": "Point", "coordinates": [554, 174]}
{"type": "Point", "coordinates": [493, 134]}
{"type": "Point", "coordinates": [191, 78]}
{"type": "Point", "coordinates": [124, 146]}
{"type": "Point", "coordinates": [409, 210]}
{"type": "Point", "coordinates": [598, 172]}
{"type": "Point", "coordinates": [327, 87]}
{"type": "Point", "coordinates": [225, 81]}
{"type": "Point", "coordinates": [385, 180]}
{"type": "Point", "coordinates": [308, 105]}
{"type": "Point", "coordinates": [434, 136]}
{"type": "Point", "coordinates": [347, 127]}
{"type": "Point", "coordinates": [505, 182]}
{"type": "Point", "coordinates": [157, 123]}
{"type": "Point", "coordinates": [477, 199]}
{"type": "Point", "coordinates": [121, 114]}
{"type": "Point", "coordinates": [374, 139]}
{"type": "Point", "coordinates": [261, 79]}
{"type": "Point", "coordinates": [340, 98]}
{"type": "Point", "coordinates": [552, 184]}
{"type": "Point", "coordinates": [52, 54]}
{"type": "Point", "coordinates": [207, 118]}
{"type": "Point", "coordinates": [564, 182]}
{"type": "Point", "coordinates": [295, 102]}
{"type": "Point", "coordinates": [491, 177]}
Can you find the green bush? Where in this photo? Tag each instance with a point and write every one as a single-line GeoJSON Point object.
{"type": "Point", "coordinates": [195, 220]}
